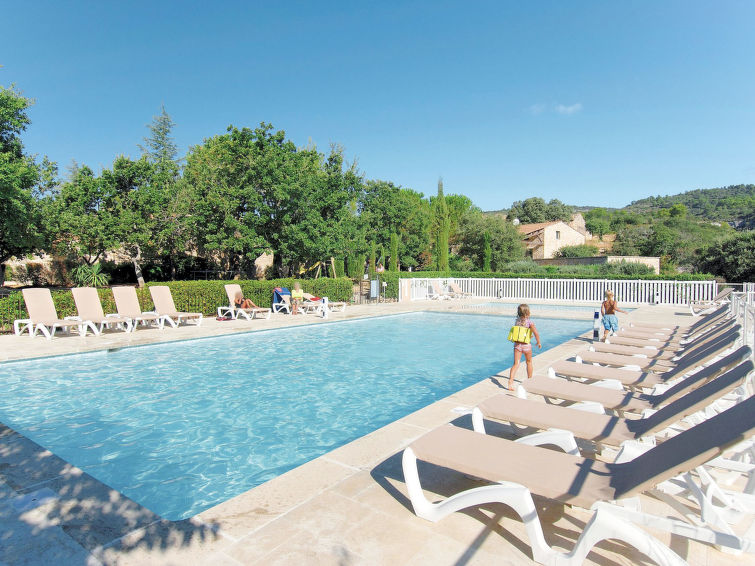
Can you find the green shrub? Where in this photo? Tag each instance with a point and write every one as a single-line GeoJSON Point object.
{"type": "Point", "coordinates": [582, 250]}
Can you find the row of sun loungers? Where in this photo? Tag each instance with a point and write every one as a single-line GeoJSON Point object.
{"type": "Point", "coordinates": [43, 317]}
{"type": "Point", "coordinates": [698, 413]}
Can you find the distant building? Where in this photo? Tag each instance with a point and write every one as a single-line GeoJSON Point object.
{"type": "Point", "coordinates": [544, 239]}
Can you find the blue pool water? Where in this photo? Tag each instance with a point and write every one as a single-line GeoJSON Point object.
{"type": "Point", "coordinates": [538, 307]}
{"type": "Point", "coordinates": [181, 427]}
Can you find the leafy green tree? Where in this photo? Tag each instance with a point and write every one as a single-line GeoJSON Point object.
{"type": "Point", "coordinates": [733, 258]}
{"type": "Point", "coordinates": [505, 241]}
{"type": "Point", "coordinates": [458, 206]}
{"type": "Point", "coordinates": [487, 252]}
{"type": "Point", "coordinates": [21, 229]}
{"type": "Point", "coordinates": [253, 190]}
{"type": "Point", "coordinates": [557, 210]}
{"type": "Point", "coordinates": [84, 215]}
{"type": "Point", "coordinates": [386, 208]}
{"type": "Point", "coordinates": [529, 211]}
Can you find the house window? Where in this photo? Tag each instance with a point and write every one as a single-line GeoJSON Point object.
{"type": "Point", "coordinates": [558, 235]}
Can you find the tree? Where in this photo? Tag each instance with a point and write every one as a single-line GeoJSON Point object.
{"type": "Point", "coordinates": [386, 208]}
{"type": "Point", "coordinates": [733, 258]}
{"type": "Point", "coordinates": [21, 229]}
{"type": "Point", "coordinates": [505, 241]}
{"type": "Point", "coordinates": [441, 228]}
{"type": "Point", "coordinates": [487, 252]}
{"type": "Point", "coordinates": [458, 206]}
{"type": "Point", "coordinates": [84, 216]}
{"type": "Point", "coordinates": [253, 191]}
{"type": "Point", "coordinates": [394, 252]}
{"type": "Point", "coordinates": [530, 211]}
{"type": "Point", "coordinates": [160, 147]}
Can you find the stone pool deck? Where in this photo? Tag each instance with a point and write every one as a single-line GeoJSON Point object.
{"type": "Point", "coordinates": [346, 507]}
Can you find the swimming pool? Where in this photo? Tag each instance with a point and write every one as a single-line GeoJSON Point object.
{"type": "Point", "coordinates": [540, 307]}
{"type": "Point", "coordinates": [180, 427]}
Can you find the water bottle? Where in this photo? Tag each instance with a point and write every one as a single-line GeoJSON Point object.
{"type": "Point", "coordinates": [596, 326]}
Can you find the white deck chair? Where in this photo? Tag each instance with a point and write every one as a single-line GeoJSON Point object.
{"type": "Point", "coordinates": [44, 318]}
{"type": "Point", "coordinates": [127, 304]}
{"type": "Point", "coordinates": [231, 291]}
{"type": "Point", "coordinates": [519, 469]}
{"type": "Point", "coordinates": [165, 307]}
{"type": "Point", "coordinates": [89, 307]}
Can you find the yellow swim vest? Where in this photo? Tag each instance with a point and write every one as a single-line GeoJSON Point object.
{"type": "Point", "coordinates": [520, 334]}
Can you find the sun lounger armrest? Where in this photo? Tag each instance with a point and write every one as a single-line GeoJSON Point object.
{"type": "Point", "coordinates": [614, 384]}
{"type": "Point", "coordinates": [563, 439]}
{"type": "Point", "coordinates": [589, 407]}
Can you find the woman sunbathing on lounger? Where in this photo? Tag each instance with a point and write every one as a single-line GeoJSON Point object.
{"type": "Point", "coordinates": [241, 303]}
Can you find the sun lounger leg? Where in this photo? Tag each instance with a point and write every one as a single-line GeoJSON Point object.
{"type": "Point", "coordinates": [702, 533]}
{"type": "Point", "coordinates": [605, 525]}
{"type": "Point", "coordinates": [44, 330]}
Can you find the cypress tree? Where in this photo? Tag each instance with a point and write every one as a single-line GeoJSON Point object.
{"type": "Point", "coordinates": [487, 253]}
{"type": "Point", "coordinates": [442, 225]}
{"type": "Point", "coordinates": [394, 252]}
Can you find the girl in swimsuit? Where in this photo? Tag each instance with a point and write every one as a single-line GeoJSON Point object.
{"type": "Point", "coordinates": [523, 319]}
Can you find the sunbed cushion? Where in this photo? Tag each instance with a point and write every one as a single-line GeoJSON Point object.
{"type": "Point", "coordinates": [552, 474]}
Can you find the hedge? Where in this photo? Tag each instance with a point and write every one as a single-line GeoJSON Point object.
{"type": "Point", "coordinates": [191, 296]}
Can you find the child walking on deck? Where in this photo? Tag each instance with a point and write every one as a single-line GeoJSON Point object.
{"type": "Point", "coordinates": [521, 335]}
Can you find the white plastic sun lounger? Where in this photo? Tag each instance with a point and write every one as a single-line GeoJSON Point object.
{"type": "Point", "coordinates": [127, 304]}
{"type": "Point", "coordinates": [519, 469]}
{"type": "Point", "coordinates": [638, 379]}
{"type": "Point", "coordinates": [165, 307]}
{"type": "Point", "coordinates": [89, 308]}
{"type": "Point", "coordinates": [605, 429]}
{"type": "Point", "coordinates": [652, 350]}
{"type": "Point", "coordinates": [44, 318]}
{"type": "Point", "coordinates": [704, 307]}
{"type": "Point", "coordinates": [643, 362]}
{"type": "Point", "coordinates": [233, 289]}
{"type": "Point", "coordinates": [614, 397]}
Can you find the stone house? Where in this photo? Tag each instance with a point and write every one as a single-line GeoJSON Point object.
{"type": "Point", "coordinates": [544, 239]}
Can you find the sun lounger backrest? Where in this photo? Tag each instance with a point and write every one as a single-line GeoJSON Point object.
{"type": "Point", "coordinates": [704, 352]}
{"type": "Point", "coordinates": [715, 316]}
{"type": "Point", "coordinates": [88, 303]}
{"type": "Point", "coordinates": [685, 451]}
{"type": "Point", "coordinates": [709, 334]}
{"type": "Point", "coordinates": [707, 373]}
{"type": "Point", "coordinates": [126, 301]}
{"type": "Point", "coordinates": [693, 401]}
{"type": "Point", "coordinates": [231, 290]}
{"type": "Point", "coordinates": [163, 299]}
{"type": "Point", "coordinates": [39, 304]}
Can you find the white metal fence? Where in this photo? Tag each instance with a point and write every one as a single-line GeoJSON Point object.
{"type": "Point", "coordinates": [564, 290]}
{"type": "Point", "coordinates": [743, 306]}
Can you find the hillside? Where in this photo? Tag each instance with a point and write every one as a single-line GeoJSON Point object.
{"type": "Point", "coordinates": [734, 204]}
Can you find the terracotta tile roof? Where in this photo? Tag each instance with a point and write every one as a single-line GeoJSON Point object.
{"type": "Point", "coordinates": [530, 228]}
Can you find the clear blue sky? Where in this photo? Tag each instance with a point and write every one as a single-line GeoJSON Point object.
{"type": "Point", "coordinates": [590, 102]}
